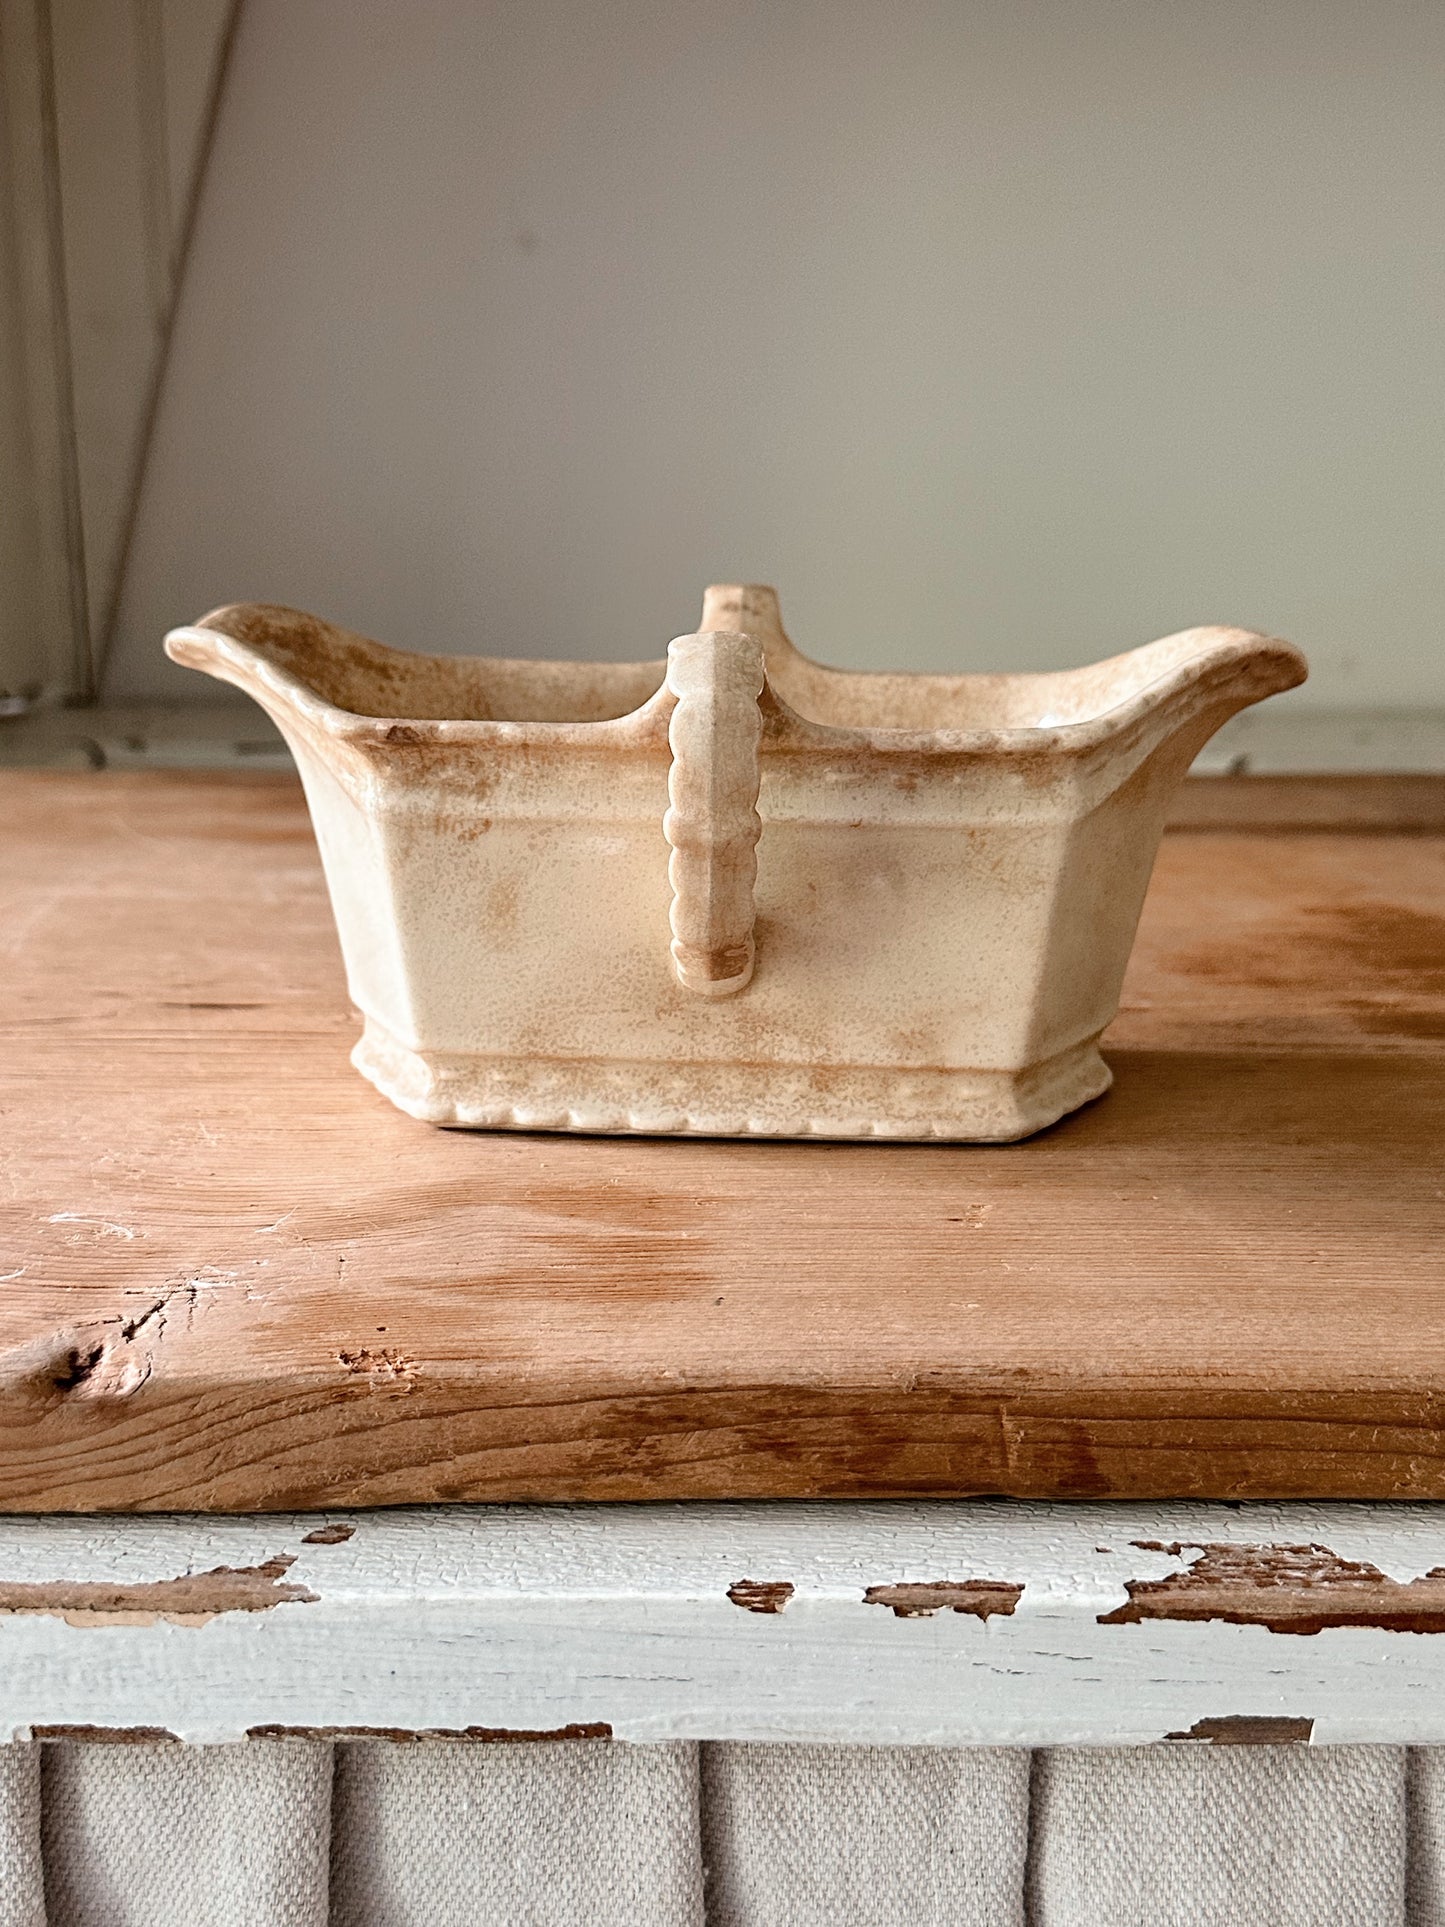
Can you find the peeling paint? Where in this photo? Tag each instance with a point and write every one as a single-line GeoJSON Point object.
{"type": "Point", "coordinates": [405, 1736]}
{"type": "Point", "coordinates": [920, 1599]}
{"type": "Point", "coordinates": [108, 1735]}
{"type": "Point", "coordinates": [1249, 1729]}
{"type": "Point", "coordinates": [1286, 1589]}
{"type": "Point", "coordinates": [329, 1535]}
{"type": "Point", "coordinates": [190, 1599]}
{"type": "Point", "coordinates": [761, 1595]}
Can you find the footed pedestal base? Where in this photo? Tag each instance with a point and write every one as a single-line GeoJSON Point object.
{"type": "Point", "coordinates": [729, 1100]}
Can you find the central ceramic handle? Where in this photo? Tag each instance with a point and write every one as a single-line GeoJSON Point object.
{"type": "Point", "coordinates": [713, 824]}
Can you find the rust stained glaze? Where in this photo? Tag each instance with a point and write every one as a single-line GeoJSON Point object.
{"type": "Point", "coordinates": [920, 1599]}
{"type": "Point", "coordinates": [478, 1735]}
{"type": "Point", "coordinates": [1249, 1729]}
{"type": "Point", "coordinates": [1287, 1589]}
{"type": "Point", "coordinates": [761, 1595]}
{"type": "Point", "coordinates": [491, 830]}
{"type": "Point", "coordinates": [191, 1599]}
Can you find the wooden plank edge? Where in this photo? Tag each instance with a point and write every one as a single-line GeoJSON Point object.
{"type": "Point", "coordinates": [426, 1436]}
{"type": "Point", "coordinates": [1377, 804]}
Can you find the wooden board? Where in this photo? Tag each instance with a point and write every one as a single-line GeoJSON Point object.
{"type": "Point", "coordinates": [942, 1623]}
{"type": "Point", "coordinates": [232, 1278]}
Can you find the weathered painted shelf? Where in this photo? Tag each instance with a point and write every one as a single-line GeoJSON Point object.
{"type": "Point", "coordinates": [947, 1623]}
{"type": "Point", "coordinates": [234, 1279]}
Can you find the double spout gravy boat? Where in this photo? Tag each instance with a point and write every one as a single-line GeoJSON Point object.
{"type": "Point", "coordinates": [734, 893]}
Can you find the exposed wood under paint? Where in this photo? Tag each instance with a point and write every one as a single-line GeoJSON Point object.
{"type": "Point", "coordinates": [235, 1279]}
{"type": "Point", "coordinates": [501, 1623]}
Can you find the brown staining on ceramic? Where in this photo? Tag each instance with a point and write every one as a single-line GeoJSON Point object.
{"type": "Point", "coordinates": [1046, 785]}
{"type": "Point", "coordinates": [108, 1735]}
{"type": "Point", "coordinates": [362, 679]}
{"type": "Point", "coordinates": [329, 1535]}
{"type": "Point", "coordinates": [712, 822]}
{"type": "Point", "coordinates": [403, 1736]}
{"type": "Point", "coordinates": [761, 1595]}
{"type": "Point", "coordinates": [1287, 1589]}
{"type": "Point", "coordinates": [1249, 1729]}
{"type": "Point", "coordinates": [191, 1599]}
{"type": "Point", "coordinates": [920, 1599]}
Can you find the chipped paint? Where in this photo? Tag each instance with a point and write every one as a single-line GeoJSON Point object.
{"type": "Point", "coordinates": [108, 1735]}
{"type": "Point", "coordinates": [478, 1735]}
{"type": "Point", "coordinates": [329, 1535]}
{"type": "Point", "coordinates": [501, 1622]}
{"type": "Point", "coordinates": [190, 1599]}
{"type": "Point", "coordinates": [1286, 1588]}
{"type": "Point", "coordinates": [920, 1599]}
{"type": "Point", "coordinates": [1249, 1729]}
{"type": "Point", "coordinates": [761, 1595]}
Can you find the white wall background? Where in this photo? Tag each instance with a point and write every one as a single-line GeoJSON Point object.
{"type": "Point", "coordinates": [997, 333]}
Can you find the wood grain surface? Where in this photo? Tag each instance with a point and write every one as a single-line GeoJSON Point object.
{"type": "Point", "coordinates": [232, 1278]}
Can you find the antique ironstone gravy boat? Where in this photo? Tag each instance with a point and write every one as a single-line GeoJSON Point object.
{"type": "Point", "coordinates": [899, 905]}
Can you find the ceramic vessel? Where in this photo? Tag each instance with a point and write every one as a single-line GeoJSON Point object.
{"type": "Point", "coordinates": [734, 892]}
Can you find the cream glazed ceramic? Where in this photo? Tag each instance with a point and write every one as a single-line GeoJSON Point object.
{"type": "Point", "coordinates": [734, 892]}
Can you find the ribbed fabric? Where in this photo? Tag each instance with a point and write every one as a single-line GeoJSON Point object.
{"type": "Point", "coordinates": [542, 1834]}
{"type": "Point", "coordinates": [22, 1881]}
{"type": "Point", "coordinates": [1425, 1806]}
{"type": "Point", "coordinates": [450, 1835]}
{"type": "Point", "coordinates": [176, 1836]}
{"type": "Point", "coordinates": [1200, 1836]}
{"type": "Point", "coordinates": [860, 1836]}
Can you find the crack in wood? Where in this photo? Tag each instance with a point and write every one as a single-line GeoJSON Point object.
{"type": "Point", "coordinates": [110, 1358]}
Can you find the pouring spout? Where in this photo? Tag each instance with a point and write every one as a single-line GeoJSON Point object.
{"type": "Point", "coordinates": [1181, 690]}
{"type": "Point", "coordinates": [264, 650]}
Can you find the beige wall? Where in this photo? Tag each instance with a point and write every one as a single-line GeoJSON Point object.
{"type": "Point", "coordinates": [999, 332]}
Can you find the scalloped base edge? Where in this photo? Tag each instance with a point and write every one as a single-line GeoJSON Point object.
{"type": "Point", "coordinates": [637, 1097]}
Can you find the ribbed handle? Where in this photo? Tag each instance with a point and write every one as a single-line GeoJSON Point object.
{"type": "Point", "coordinates": [713, 824]}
